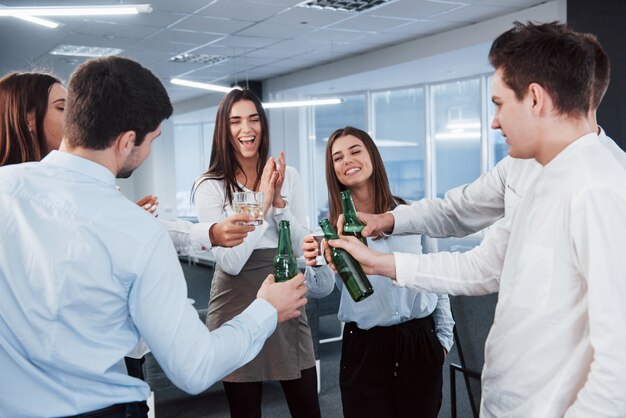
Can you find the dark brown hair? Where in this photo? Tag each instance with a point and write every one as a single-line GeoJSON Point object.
{"type": "Point", "coordinates": [601, 71]}
{"type": "Point", "coordinates": [549, 54]}
{"type": "Point", "coordinates": [223, 164]}
{"type": "Point", "coordinates": [383, 199]}
{"type": "Point", "coordinates": [21, 93]}
{"type": "Point", "coordinates": [109, 96]}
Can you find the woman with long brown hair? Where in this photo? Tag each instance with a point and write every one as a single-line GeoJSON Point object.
{"type": "Point", "coordinates": [394, 342]}
{"type": "Point", "coordinates": [31, 112]}
{"type": "Point", "coordinates": [239, 162]}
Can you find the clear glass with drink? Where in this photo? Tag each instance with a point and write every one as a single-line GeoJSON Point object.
{"type": "Point", "coordinates": [250, 203]}
{"type": "Point", "coordinates": [320, 260]}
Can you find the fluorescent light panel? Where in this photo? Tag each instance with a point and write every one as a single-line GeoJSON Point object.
{"type": "Point", "coordinates": [299, 103]}
{"type": "Point", "coordinates": [204, 86]}
{"type": "Point", "coordinates": [39, 21]}
{"type": "Point", "coordinates": [76, 11]}
{"type": "Point", "coordinates": [84, 51]}
{"type": "Point", "coordinates": [274, 105]}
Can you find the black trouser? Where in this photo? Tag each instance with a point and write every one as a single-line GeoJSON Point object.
{"type": "Point", "coordinates": [391, 372]}
{"type": "Point", "coordinates": [121, 410]}
{"type": "Point", "coordinates": [244, 399]}
{"type": "Point", "coordinates": [134, 366]}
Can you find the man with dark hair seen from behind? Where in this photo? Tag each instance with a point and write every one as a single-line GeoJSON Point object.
{"type": "Point", "coordinates": [84, 272]}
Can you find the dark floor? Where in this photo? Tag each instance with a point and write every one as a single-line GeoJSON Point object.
{"type": "Point", "coordinates": [170, 402]}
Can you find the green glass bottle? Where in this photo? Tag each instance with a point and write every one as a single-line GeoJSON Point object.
{"type": "Point", "coordinates": [285, 264]}
{"type": "Point", "coordinates": [352, 275]}
{"type": "Point", "coordinates": [352, 225]}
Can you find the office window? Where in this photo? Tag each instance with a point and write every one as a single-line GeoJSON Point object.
{"type": "Point", "coordinates": [192, 151]}
{"type": "Point", "coordinates": [498, 148]}
{"type": "Point", "coordinates": [398, 130]}
{"type": "Point", "coordinates": [327, 119]}
{"type": "Point", "coordinates": [456, 133]}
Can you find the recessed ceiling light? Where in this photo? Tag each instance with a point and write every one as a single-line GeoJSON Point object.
{"type": "Point", "coordinates": [344, 5]}
{"type": "Point", "coordinates": [199, 58]}
{"type": "Point", "coordinates": [84, 51]}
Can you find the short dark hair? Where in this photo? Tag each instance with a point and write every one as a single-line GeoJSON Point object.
{"type": "Point", "coordinates": [21, 93]}
{"type": "Point", "coordinates": [549, 54]}
{"type": "Point", "coordinates": [601, 71]}
{"type": "Point", "coordinates": [109, 96]}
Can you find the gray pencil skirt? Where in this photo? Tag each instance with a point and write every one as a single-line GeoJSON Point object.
{"type": "Point", "coordinates": [290, 348]}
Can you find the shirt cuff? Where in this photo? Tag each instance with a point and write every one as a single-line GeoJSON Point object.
{"type": "Point", "coordinates": [199, 237]}
{"type": "Point", "coordinates": [264, 315]}
{"type": "Point", "coordinates": [404, 267]}
{"type": "Point", "coordinates": [401, 219]}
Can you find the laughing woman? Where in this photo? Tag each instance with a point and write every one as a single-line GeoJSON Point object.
{"type": "Point", "coordinates": [394, 342]}
{"type": "Point", "coordinates": [239, 162]}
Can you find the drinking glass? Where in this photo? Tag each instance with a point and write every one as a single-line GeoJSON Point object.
{"type": "Point", "coordinates": [250, 203]}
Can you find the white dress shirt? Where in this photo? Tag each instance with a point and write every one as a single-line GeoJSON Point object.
{"type": "Point", "coordinates": [84, 273]}
{"type": "Point", "coordinates": [557, 344]}
{"type": "Point", "coordinates": [211, 207]}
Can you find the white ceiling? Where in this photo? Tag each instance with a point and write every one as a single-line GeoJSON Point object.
{"type": "Point", "coordinates": [262, 39]}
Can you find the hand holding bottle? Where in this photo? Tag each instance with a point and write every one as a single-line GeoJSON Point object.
{"type": "Point", "coordinates": [286, 297]}
{"type": "Point", "coordinates": [375, 225]}
{"type": "Point", "coordinates": [372, 262]}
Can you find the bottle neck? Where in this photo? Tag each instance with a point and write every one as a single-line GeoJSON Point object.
{"type": "Point", "coordinates": [329, 231]}
{"type": "Point", "coordinates": [349, 211]}
{"type": "Point", "coordinates": [284, 241]}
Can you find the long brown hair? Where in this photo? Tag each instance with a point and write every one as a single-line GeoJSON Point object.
{"type": "Point", "coordinates": [21, 93]}
{"type": "Point", "coordinates": [383, 199]}
{"type": "Point", "coordinates": [223, 164]}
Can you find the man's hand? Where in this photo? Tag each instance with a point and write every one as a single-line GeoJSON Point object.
{"type": "Point", "coordinates": [372, 261]}
{"type": "Point", "coordinates": [231, 231]}
{"type": "Point", "coordinates": [287, 297]}
{"type": "Point", "coordinates": [375, 225]}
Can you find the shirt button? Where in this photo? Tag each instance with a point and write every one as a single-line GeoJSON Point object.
{"type": "Point", "coordinates": [203, 248]}
{"type": "Point", "coordinates": [397, 313]}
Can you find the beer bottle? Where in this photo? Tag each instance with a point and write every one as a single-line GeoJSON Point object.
{"type": "Point", "coordinates": [352, 225]}
{"type": "Point", "coordinates": [285, 264]}
{"type": "Point", "coordinates": [352, 275]}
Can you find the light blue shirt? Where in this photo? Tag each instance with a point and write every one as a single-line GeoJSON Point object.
{"type": "Point", "coordinates": [389, 304]}
{"type": "Point", "coordinates": [84, 273]}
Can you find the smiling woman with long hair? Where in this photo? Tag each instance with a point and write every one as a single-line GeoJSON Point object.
{"type": "Point", "coordinates": [31, 116]}
{"type": "Point", "coordinates": [394, 342]}
{"type": "Point", "coordinates": [239, 162]}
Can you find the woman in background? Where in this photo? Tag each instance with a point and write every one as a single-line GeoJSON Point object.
{"type": "Point", "coordinates": [239, 162]}
{"type": "Point", "coordinates": [395, 341]}
{"type": "Point", "coordinates": [31, 112]}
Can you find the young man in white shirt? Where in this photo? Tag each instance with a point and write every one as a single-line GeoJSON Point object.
{"type": "Point", "coordinates": [84, 272]}
{"type": "Point", "coordinates": [556, 346]}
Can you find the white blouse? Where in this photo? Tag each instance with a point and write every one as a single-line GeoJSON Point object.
{"type": "Point", "coordinates": [211, 206]}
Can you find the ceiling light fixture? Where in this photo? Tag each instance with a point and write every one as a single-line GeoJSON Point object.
{"type": "Point", "coordinates": [84, 51]}
{"type": "Point", "coordinates": [273, 105]}
{"type": "Point", "coordinates": [130, 9]}
{"type": "Point", "coordinates": [204, 86]}
{"type": "Point", "coordinates": [300, 103]}
{"type": "Point", "coordinates": [39, 21]}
